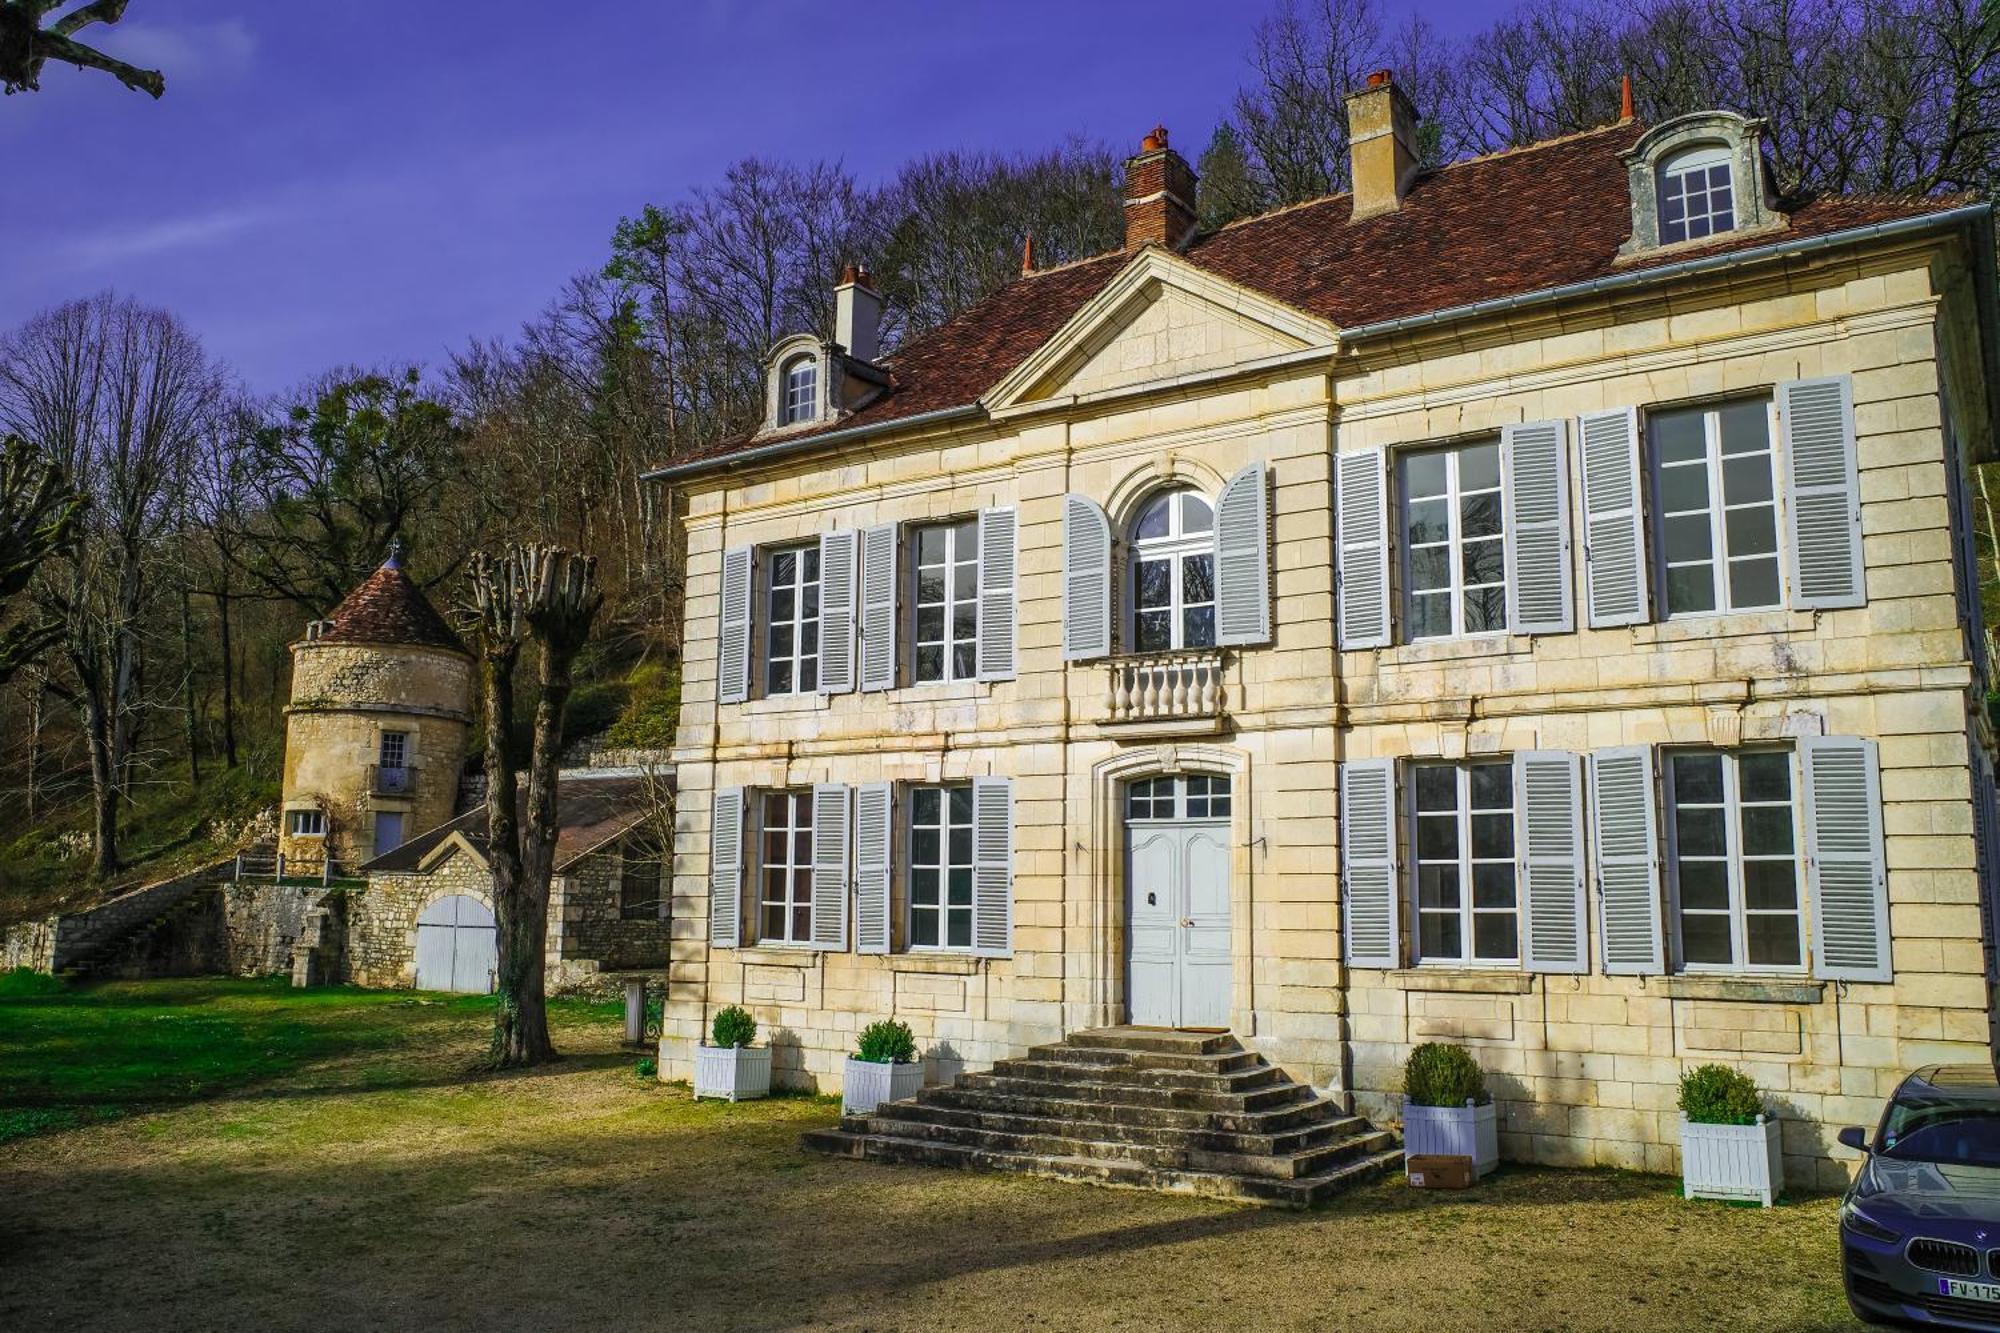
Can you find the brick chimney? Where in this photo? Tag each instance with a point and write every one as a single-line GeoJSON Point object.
{"type": "Point", "coordinates": [857, 314]}
{"type": "Point", "coordinates": [1382, 138]}
{"type": "Point", "coordinates": [1159, 194]}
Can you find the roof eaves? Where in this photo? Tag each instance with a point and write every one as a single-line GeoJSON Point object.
{"type": "Point", "coordinates": [784, 448]}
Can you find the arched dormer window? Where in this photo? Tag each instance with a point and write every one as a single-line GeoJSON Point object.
{"type": "Point", "coordinates": [1173, 573]}
{"type": "Point", "coordinates": [1696, 195]}
{"type": "Point", "coordinates": [799, 384]}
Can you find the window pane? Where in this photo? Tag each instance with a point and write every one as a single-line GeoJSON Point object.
{"type": "Point", "coordinates": [1680, 437]}
{"type": "Point", "coordinates": [1494, 936]}
{"type": "Point", "coordinates": [1699, 832]}
{"type": "Point", "coordinates": [1424, 474]}
{"type": "Point", "coordinates": [924, 846]}
{"type": "Point", "coordinates": [1480, 515]}
{"type": "Point", "coordinates": [1752, 531]}
{"type": "Point", "coordinates": [1746, 426]}
{"type": "Point", "coordinates": [964, 621]}
{"type": "Point", "coordinates": [781, 678]}
{"type": "Point", "coordinates": [959, 888]}
{"type": "Point", "coordinates": [1683, 488]}
{"type": "Point", "coordinates": [964, 661]}
{"type": "Point", "coordinates": [924, 887]}
{"type": "Point", "coordinates": [1686, 537]}
{"type": "Point", "coordinates": [930, 584]}
{"type": "Point", "coordinates": [1484, 562]}
{"type": "Point", "coordinates": [1697, 779]}
{"type": "Point", "coordinates": [809, 564]}
{"type": "Point", "coordinates": [1155, 631]}
{"type": "Point", "coordinates": [1156, 582]}
{"type": "Point", "coordinates": [1492, 786]}
{"type": "Point", "coordinates": [1772, 941]}
{"type": "Point", "coordinates": [1485, 610]}
{"type": "Point", "coordinates": [1753, 582]}
{"type": "Point", "coordinates": [1767, 830]}
{"type": "Point", "coordinates": [1771, 886]}
{"type": "Point", "coordinates": [1746, 480]}
{"type": "Point", "coordinates": [924, 802]}
{"type": "Point", "coordinates": [1154, 520]}
{"type": "Point", "coordinates": [1704, 885]}
{"type": "Point", "coordinates": [1437, 837]}
{"type": "Point", "coordinates": [1437, 886]}
{"type": "Point", "coordinates": [1492, 836]}
{"type": "Point", "coordinates": [1705, 939]}
{"type": "Point", "coordinates": [1479, 467]}
{"type": "Point", "coordinates": [959, 844]}
{"type": "Point", "coordinates": [1430, 615]}
{"type": "Point", "coordinates": [1764, 775]}
{"type": "Point", "coordinates": [1198, 578]}
{"type": "Point", "coordinates": [930, 623]}
{"type": "Point", "coordinates": [1437, 787]}
{"type": "Point", "coordinates": [1690, 588]}
{"type": "Point", "coordinates": [1196, 516]}
{"type": "Point", "coordinates": [1429, 521]}
{"type": "Point", "coordinates": [965, 579]}
{"type": "Point", "coordinates": [930, 663]}
{"type": "Point", "coordinates": [785, 567]}
{"type": "Point", "coordinates": [1493, 885]}
{"type": "Point", "coordinates": [1439, 937]}
{"type": "Point", "coordinates": [924, 929]}
{"type": "Point", "coordinates": [961, 931]}
{"type": "Point", "coordinates": [931, 545]}
{"type": "Point", "coordinates": [1199, 631]}
{"type": "Point", "coordinates": [1430, 567]}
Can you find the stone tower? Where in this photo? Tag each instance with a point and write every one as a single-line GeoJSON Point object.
{"type": "Point", "coordinates": [375, 732]}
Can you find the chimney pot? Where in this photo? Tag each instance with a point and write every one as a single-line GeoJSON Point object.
{"type": "Point", "coordinates": [1625, 111]}
{"type": "Point", "coordinates": [1159, 194]}
{"type": "Point", "coordinates": [850, 274]}
{"type": "Point", "coordinates": [1382, 145]}
{"type": "Point", "coordinates": [1028, 255]}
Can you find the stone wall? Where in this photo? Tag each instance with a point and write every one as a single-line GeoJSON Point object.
{"type": "Point", "coordinates": [262, 924]}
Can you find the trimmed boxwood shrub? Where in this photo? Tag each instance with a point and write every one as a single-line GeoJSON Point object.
{"type": "Point", "coordinates": [733, 1026]}
{"type": "Point", "coordinates": [1440, 1074]}
{"type": "Point", "coordinates": [1719, 1095]}
{"type": "Point", "coordinates": [886, 1042]}
{"type": "Point", "coordinates": [648, 1067]}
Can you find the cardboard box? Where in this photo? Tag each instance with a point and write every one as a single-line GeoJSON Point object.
{"type": "Point", "coordinates": [1437, 1172]}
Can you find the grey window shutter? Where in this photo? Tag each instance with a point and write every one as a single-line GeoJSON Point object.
{"type": "Point", "coordinates": [1614, 528]}
{"type": "Point", "coordinates": [732, 651]}
{"type": "Point", "coordinates": [997, 537]}
{"type": "Point", "coordinates": [1548, 804]}
{"type": "Point", "coordinates": [836, 612]}
{"type": "Point", "coordinates": [1538, 553]}
{"type": "Point", "coordinates": [1362, 514]}
{"type": "Point", "coordinates": [873, 809]}
{"type": "Point", "coordinates": [993, 867]}
{"type": "Point", "coordinates": [1822, 492]}
{"type": "Point", "coordinates": [878, 608]}
{"type": "Point", "coordinates": [1243, 558]}
{"type": "Point", "coordinates": [1625, 834]}
{"type": "Point", "coordinates": [1368, 861]}
{"type": "Point", "coordinates": [725, 868]}
{"type": "Point", "coordinates": [830, 838]}
{"type": "Point", "coordinates": [1086, 606]}
{"type": "Point", "coordinates": [1845, 872]}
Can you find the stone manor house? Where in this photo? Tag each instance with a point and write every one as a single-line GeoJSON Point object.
{"type": "Point", "coordinates": [1528, 604]}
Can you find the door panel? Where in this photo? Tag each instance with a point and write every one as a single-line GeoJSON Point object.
{"type": "Point", "coordinates": [457, 946]}
{"type": "Point", "coordinates": [1178, 966]}
{"type": "Point", "coordinates": [388, 831]}
{"type": "Point", "coordinates": [1205, 962]}
{"type": "Point", "coordinates": [1152, 924]}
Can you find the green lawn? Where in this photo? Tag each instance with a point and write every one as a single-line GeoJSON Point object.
{"type": "Point", "coordinates": [314, 1160]}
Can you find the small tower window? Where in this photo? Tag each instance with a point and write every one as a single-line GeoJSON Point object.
{"type": "Point", "coordinates": [801, 388]}
{"type": "Point", "coordinates": [308, 823]}
{"type": "Point", "coordinates": [1697, 197]}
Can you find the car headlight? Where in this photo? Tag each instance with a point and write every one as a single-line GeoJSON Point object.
{"type": "Point", "coordinates": [1861, 1224]}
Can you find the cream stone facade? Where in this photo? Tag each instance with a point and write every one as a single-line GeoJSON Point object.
{"type": "Point", "coordinates": [1172, 378]}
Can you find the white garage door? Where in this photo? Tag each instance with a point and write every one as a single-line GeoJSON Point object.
{"type": "Point", "coordinates": [456, 946]}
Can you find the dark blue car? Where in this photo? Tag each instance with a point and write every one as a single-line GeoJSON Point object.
{"type": "Point", "coordinates": [1920, 1226]}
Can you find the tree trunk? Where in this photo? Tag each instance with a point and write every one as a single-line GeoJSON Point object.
{"type": "Point", "coordinates": [228, 681]}
{"type": "Point", "coordinates": [520, 1020]}
{"type": "Point", "coordinates": [97, 731]}
{"type": "Point", "coordinates": [192, 727]}
{"type": "Point", "coordinates": [35, 705]}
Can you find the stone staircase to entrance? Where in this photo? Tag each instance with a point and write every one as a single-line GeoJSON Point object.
{"type": "Point", "coordinates": [1143, 1108]}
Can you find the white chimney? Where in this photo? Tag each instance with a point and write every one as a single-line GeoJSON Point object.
{"type": "Point", "coordinates": [857, 314]}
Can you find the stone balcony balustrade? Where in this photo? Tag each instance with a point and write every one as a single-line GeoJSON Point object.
{"type": "Point", "coordinates": [1176, 693]}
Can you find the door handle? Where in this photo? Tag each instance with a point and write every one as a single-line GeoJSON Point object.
{"type": "Point", "coordinates": [1187, 923]}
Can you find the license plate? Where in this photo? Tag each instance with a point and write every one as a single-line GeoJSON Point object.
{"type": "Point", "coordinates": [1969, 1291]}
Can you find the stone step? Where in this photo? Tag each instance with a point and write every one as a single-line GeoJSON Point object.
{"type": "Point", "coordinates": [1077, 1072]}
{"type": "Point", "coordinates": [1274, 1120]}
{"type": "Point", "coordinates": [1221, 1062]}
{"type": "Point", "coordinates": [1157, 1040]}
{"type": "Point", "coordinates": [1297, 1193]}
{"type": "Point", "coordinates": [1074, 1140]}
{"type": "Point", "coordinates": [1336, 1126]}
{"type": "Point", "coordinates": [1100, 1092]}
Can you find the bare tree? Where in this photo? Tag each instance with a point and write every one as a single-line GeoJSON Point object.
{"type": "Point", "coordinates": [546, 596]}
{"type": "Point", "coordinates": [120, 395]}
{"type": "Point", "coordinates": [26, 45]}
{"type": "Point", "coordinates": [39, 513]}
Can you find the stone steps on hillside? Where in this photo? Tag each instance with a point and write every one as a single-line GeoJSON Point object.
{"type": "Point", "coordinates": [1132, 1107]}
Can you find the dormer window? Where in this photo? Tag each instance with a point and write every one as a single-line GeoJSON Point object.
{"type": "Point", "coordinates": [800, 386]}
{"type": "Point", "coordinates": [1696, 197]}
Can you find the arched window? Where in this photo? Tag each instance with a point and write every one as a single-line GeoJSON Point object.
{"type": "Point", "coordinates": [1696, 195]}
{"type": "Point", "coordinates": [801, 391]}
{"type": "Point", "coordinates": [1173, 573]}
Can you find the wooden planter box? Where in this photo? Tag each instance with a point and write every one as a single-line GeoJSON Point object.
{"type": "Point", "coordinates": [1737, 1162]}
{"type": "Point", "coordinates": [738, 1073]}
{"type": "Point", "coordinates": [1453, 1131]}
{"type": "Point", "coordinates": [865, 1084]}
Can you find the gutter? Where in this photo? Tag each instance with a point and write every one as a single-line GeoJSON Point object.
{"type": "Point", "coordinates": [1975, 214]}
{"type": "Point", "coordinates": [781, 448]}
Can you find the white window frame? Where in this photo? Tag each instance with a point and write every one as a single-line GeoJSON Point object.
{"type": "Point", "coordinates": [1465, 864]}
{"type": "Point", "coordinates": [1454, 498]}
{"type": "Point", "coordinates": [1676, 168]}
{"type": "Point", "coordinates": [1733, 859]}
{"type": "Point", "coordinates": [1168, 799]}
{"type": "Point", "coordinates": [401, 740]}
{"type": "Point", "coordinates": [961, 550]}
{"type": "Point", "coordinates": [798, 390]}
{"type": "Point", "coordinates": [1177, 547]}
{"type": "Point", "coordinates": [796, 867]}
{"type": "Point", "coordinates": [1719, 558]}
{"type": "Point", "coordinates": [944, 866]}
{"type": "Point", "coordinates": [799, 621]}
{"type": "Point", "coordinates": [317, 818]}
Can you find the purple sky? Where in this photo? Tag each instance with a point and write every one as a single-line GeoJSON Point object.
{"type": "Point", "coordinates": [367, 181]}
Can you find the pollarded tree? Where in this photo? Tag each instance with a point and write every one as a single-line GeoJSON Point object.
{"type": "Point", "coordinates": [545, 596]}
{"type": "Point", "coordinates": [38, 518]}
{"type": "Point", "coordinates": [26, 44]}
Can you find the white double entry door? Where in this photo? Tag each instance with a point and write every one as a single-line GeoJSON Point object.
{"type": "Point", "coordinates": [1177, 916]}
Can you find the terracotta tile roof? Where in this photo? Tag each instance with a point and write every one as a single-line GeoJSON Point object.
{"type": "Point", "coordinates": [590, 811]}
{"type": "Point", "coordinates": [389, 608]}
{"type": "Point", "coordinates": [1509, 224]}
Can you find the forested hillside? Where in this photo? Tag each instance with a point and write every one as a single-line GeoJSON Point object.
{"type": "Point", "coordinates": [142, 723]}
